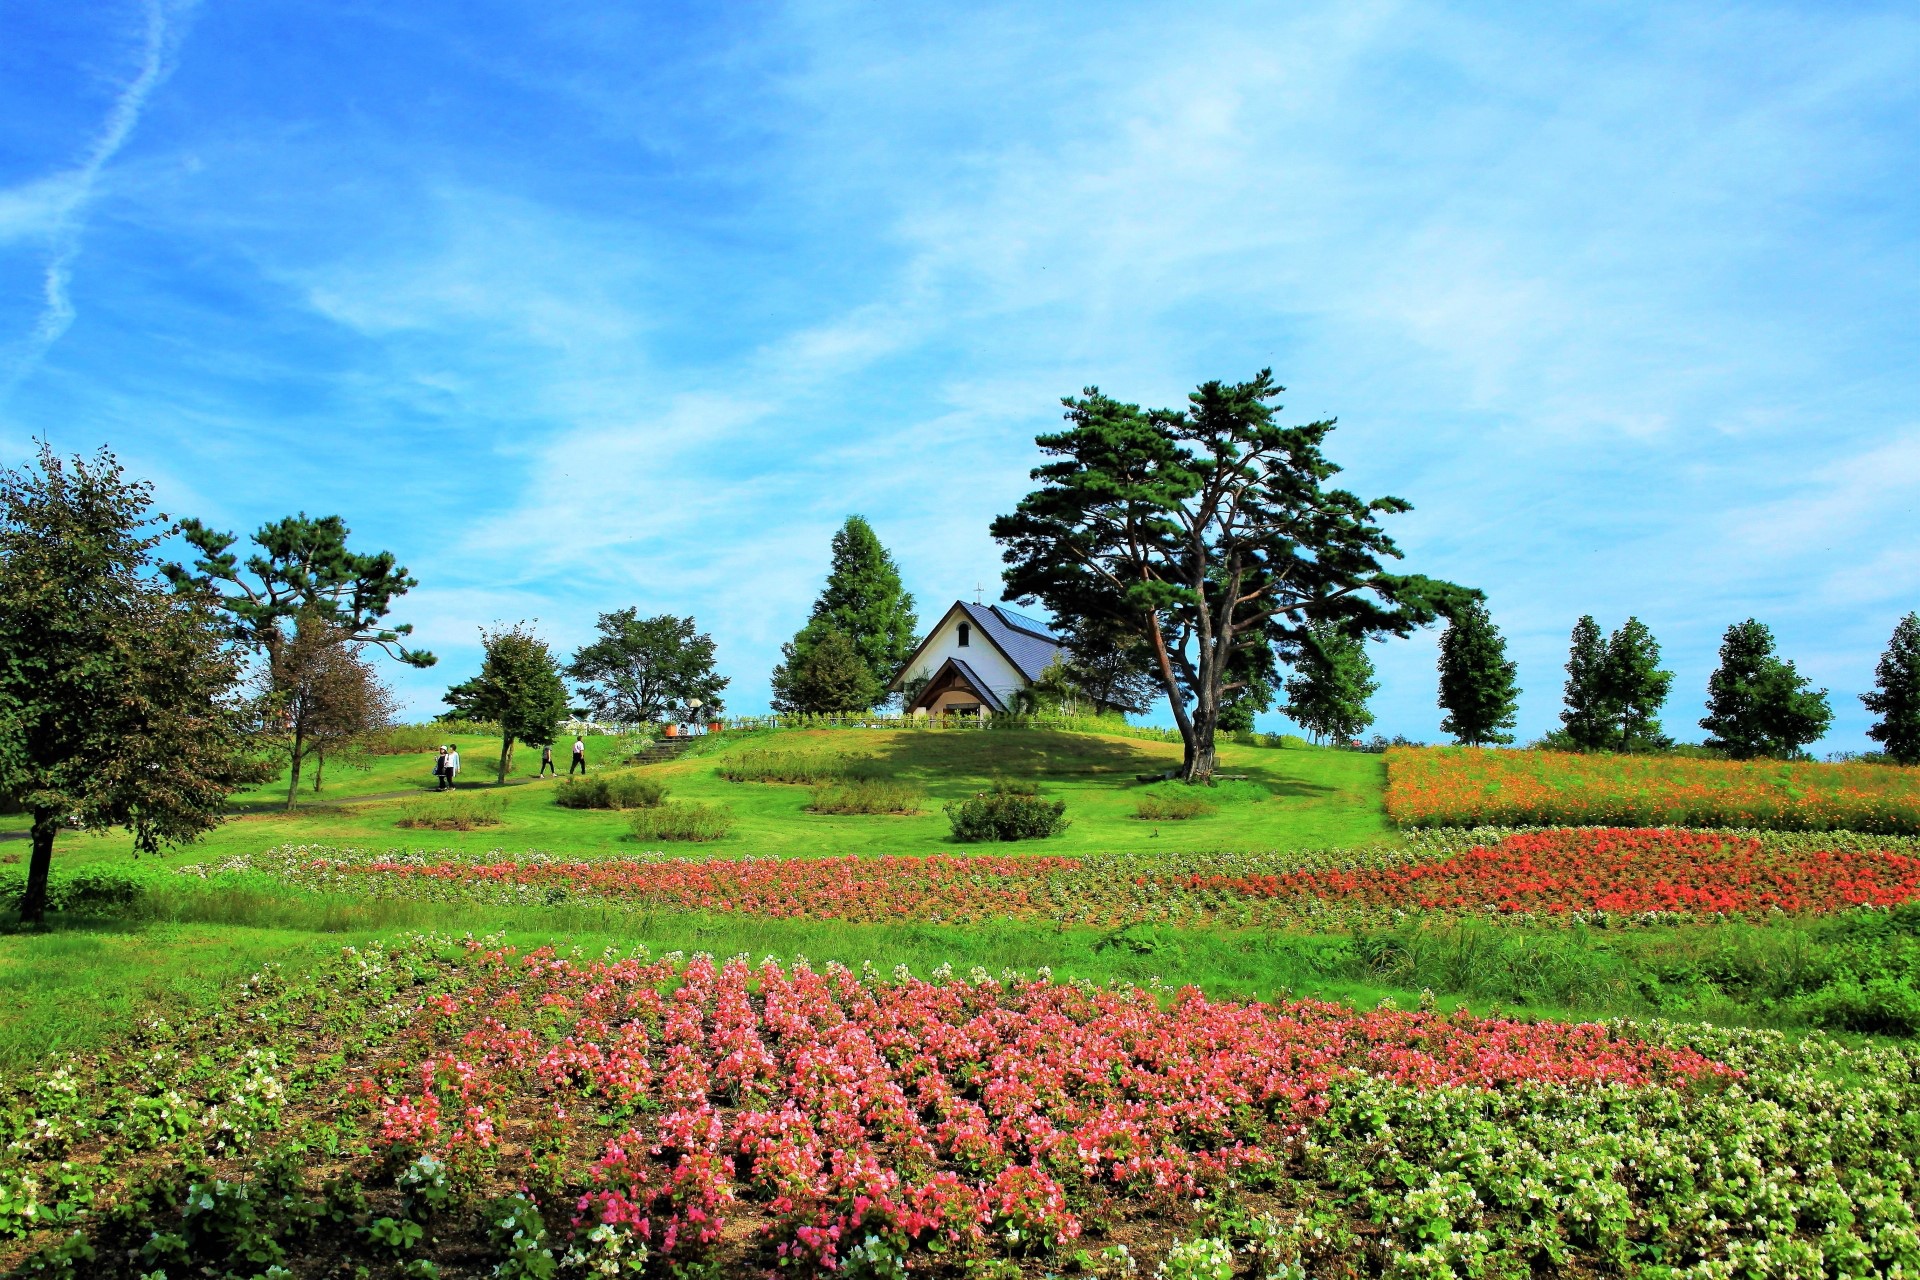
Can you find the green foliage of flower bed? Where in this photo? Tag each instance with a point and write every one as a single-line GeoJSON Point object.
{"type": "Point", "coordinates": [1011, 811]}
{"type": "Point", "coordinates": [677, 821]}
{"type": "Point", "coordinates": [191, 1147]}
{"type": "Point", "coordinates": [610, 791]}
{"type": "Point", "coordinates": [1172, 806]}
{"type": "Point", "coordinates": [453, 812]}
{"type": "Point", "coordinates": [867, 795]}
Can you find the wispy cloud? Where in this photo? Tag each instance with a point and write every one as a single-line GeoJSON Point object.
{"type": "Point", "coordinates": [55, 207]}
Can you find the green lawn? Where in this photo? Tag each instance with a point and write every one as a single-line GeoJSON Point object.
{"type": "Point", "coordinates": [1289, 798]}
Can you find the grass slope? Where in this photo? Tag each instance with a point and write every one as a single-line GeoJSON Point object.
{"type": "Point", "coordinates": [1289, 798]}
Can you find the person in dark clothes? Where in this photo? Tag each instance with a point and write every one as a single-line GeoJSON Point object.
{"type": "Point", "coordinates": [546, 762]}
{"type": "Point", "coordinates": [440, 770]}
{"type": "Point", "coordinates": [579, 756]}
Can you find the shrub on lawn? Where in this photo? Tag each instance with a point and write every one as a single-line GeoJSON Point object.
{"type": "Point", "coordinates": [866, 795]}
{"type": "Point", "coordinates": [452, 813]}
{"type": "Point", "coordinates": [679, 821]}
{"type": "Point", "coordinates": [1011, 811]}
{"type": "Point", "coordinates": [610, 791]}
{"type": "Point", "coordinates": [1171, 807]}
{"type": "Point", "coordinates": [787, 766]}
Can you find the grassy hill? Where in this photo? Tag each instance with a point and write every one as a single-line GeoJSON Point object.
{"type": "Point", "coordinates": [1299, 796]}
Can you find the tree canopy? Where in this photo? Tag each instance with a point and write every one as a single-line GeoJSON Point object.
{"type": "Point", "coordinates": [644, 670]}
{"type": "Point", "coordinates": [1757, 704]}
{"type": "Point", "coordinates": [1209, 534]}
{"type": "Point", "coordinates": [302, 567]}
{"type": "Point", "coordinates": [824, 674]}
{"type": "Point", "coordinates": [320, 697]}
{"type": "Point", "coordinates": [1477, 689]}
{"type": "Point", "coordinates": [1332, 680]}
{"type": "Point", "coordinates": [1896, 694]}
{"type": "Point", "coordinates": [1588, 722]}
{"type": "Point", "coordinates": [863, 599]}
{"type": "Point", "coordinates": [116, 690]}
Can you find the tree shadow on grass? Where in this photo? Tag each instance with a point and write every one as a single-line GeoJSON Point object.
{"type": "Point", "coordinates": [963, 757]}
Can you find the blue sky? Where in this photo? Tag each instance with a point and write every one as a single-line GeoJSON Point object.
{"type": "Point", "coordinates": [591, 305]}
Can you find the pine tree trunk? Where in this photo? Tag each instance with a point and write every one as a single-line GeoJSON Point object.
{"type": "Point", "coordinates": [33, 903]}
{"type": "Point", "coordinates": [319, 768]}
{"type": "Point", "coordinates": [506, 755]}
{"type": "Point", "coordinates": [1200, 757]}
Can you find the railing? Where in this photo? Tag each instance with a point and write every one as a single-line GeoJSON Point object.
{"type": "Point", "coordinates": [1071, 724]}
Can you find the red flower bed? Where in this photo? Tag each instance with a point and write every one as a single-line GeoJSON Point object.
{"type": "Point", "coordinates": [828, 1108]}
{"type": "Point", "coordinates": [1623, 872]}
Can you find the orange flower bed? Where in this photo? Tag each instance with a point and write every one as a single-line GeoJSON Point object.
{"type": "Point", "coordinates": [1468, 786]}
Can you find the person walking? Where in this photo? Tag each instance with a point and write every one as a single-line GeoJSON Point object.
{"type": "Point", "coordinates": [579, 755]}
{"type": "Point", "coordinates": [453, 766]}
{"type": "Point", "coordinates": [546, 761]}
{"type": "Point", "coordinates": [440, 770]}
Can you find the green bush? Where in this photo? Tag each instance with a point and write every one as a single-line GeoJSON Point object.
{"type": "Point", "coordinates": [679, 821]}
{"type": "Point", "coordinates": [610, 791]}
{"type": "Point", "coordinates": [1171, 807]}
{"type": "Point", "coordinates": [452, 813]}
{"type": "Point", "coordinates": [866, 795]}
{"type": "Point", "coordinates": [86, 890]}
{"type": "Point", "coordinates": [1008, 812]}
{"type": "Point", "coordinates": [789, 767]}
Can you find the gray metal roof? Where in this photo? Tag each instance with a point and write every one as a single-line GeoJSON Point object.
{"type": "Point", "coordinates": [1029, 651]}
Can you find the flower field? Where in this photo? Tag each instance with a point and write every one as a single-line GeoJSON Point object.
{"type": "Point", "coordinates": [459, 1108]}
{"type": "Point", "coordinates": [1466, 786]}
{"type": "Point", "coordinates": [1576, 874]}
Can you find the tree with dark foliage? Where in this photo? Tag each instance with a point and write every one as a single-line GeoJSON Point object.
{"type": "Point", "coordinates": [116, 690]}
{"type": "Point", "coordinates": [1209, 534]}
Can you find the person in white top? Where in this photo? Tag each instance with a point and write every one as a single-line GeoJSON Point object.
{"type": "Point", "coordinates": [579, 756]}
{"type": "Point", "coordinates": [453, 766]}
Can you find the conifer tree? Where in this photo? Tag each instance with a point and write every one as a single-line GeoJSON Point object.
{"type": "Point", "coordinates": [1588, 721]}
{"type": "Point", "coordinates": [1635, 688]}
{"type": "Point", "coordinates": [864, 601]}
{"type": "Point", "coordinates": [823, 672]}
{"type": "Point", "coordinates": [1757, 704]}
{"type": "Point", "coordinates": [1896, 695]}
{"type": "Point", "coordinates": [1331, 682]}
{"type": "Point", "coordinates": [1476, 680]}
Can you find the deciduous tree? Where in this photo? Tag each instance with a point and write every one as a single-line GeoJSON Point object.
{"type": "Point", "coordinates": [1210, 534]}
{"type": "Point", "coordinates": [302, 569]}
{"type": "Point", "coordinates": [1331, 683]}
{"type": "Point", "coordinates": [642, 670]}
{"type": "Point", "coordinates": [116, 690]}
{"type": "Point", "coordinates": [1477, 688]}
{"type": "Point", "coordinates": [322, 697]}
{"type": "Point", "coordinates": [1896, 695]}
{"type": "Point", "coordinates": [1757, 704]}
{"type": "Point", "coordinates": [1635, 688]}
{"type": "Point", "coordinates": [519, 686]}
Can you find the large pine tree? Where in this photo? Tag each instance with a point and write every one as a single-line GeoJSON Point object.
{"type": "Point", "coordinates": [1477, 688]}
{"type": "Point", "coordinates": [1757, 704]}
{"type": "Point", "coordinates": [864, 603]}
{"type": "Point", "coordinates": [1896, 695]}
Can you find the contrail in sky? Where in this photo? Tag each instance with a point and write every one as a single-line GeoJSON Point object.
{"type": "Point", "coordinates": [68, 211]}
